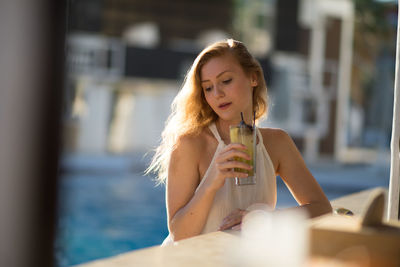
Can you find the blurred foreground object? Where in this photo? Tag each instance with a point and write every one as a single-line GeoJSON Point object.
{"type": "Point", "coordinates": [31, 49]}
{"type": "Point", "coordinates": [361, 240]}
{"type": "Point", "coordinates": [394, 187]}
{"type": "Point", "coordinates": [272, 239]}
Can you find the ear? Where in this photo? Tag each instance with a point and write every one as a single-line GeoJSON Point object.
{"type": "Point", "coordinates": [253, 79]}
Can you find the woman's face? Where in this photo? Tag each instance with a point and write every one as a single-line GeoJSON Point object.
{"type": "Point", "coordinates": [227, 88]}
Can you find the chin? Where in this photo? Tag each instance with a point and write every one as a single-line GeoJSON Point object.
{"type": "Point", "coordinates": [226, 117]}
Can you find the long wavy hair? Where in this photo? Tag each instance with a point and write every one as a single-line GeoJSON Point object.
{"type": "Point", "coordinates": [190, 112]}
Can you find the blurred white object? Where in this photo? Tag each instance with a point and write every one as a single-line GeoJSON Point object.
{"type": "Point", "coordinates": [208, 37]}
{"type": "Point", "coordinates": [144, 34]}
{"type": "Point", "coordinates": [356, 123]}
{"type": "Point", "coordinates": [254, 22]}
{"type": "Point", "coordinates": [268, 238]}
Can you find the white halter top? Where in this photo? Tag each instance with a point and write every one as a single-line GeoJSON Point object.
{"type": "Point", "coordinates": [231, 197]}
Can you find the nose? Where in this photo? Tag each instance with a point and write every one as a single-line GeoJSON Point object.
{"type": "Point", "coordinates": [218, 92]}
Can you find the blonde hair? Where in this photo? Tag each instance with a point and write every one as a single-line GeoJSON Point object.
{"type": "Point", "coordinates": [190, 112]}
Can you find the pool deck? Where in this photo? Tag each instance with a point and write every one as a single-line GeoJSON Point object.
{"type": "Point", "coordinates": [211, 249]}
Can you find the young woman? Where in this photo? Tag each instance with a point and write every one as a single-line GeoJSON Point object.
{"type": "Point", "coordinates": [196, 158]}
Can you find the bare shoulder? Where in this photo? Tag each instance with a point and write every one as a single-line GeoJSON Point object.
{"type": "Point", "coordinates": [274, 136]}
{"type": "Point", "coordinates": [189, 145]}
{"type": "Point", "coordinates": [191, 148]}
{"type": "Point", "coordinates": [277, 142]}
{"type": "Point", "coordinates": [183, 164]}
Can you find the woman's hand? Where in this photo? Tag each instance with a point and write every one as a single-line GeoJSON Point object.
{"type": "Point", "coordinates": [233, 219]}
{"type": "Point", "coordinates": [225, 163]}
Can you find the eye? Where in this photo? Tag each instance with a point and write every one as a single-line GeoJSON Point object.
{"type": "Point", "coordinates": [227, 81]}
{"type": "Point", "coordinates": [207, 89]}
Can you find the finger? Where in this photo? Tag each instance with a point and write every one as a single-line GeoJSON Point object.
{"type": "Point", "coordinates": [230, 223]}
{"type": "Point", "coordinates": [234, 146]}
{"type": "Point", "coordinates": [243, 212]}
{"type": "Point", "coordinates": [234, 164]}
{"type": "Point", "coordinates": [237, 227]}
{"type": "Point", "coordinates": [229, 155]}
{"type": "Point", "coordinates": [234, 216]}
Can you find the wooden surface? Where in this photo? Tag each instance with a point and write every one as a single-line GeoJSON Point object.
{"type": "Point", "coordinates": [212, 249]}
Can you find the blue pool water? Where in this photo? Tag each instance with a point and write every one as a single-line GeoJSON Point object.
{"type": "Point", "coordinates": [104, 215]}
{"type": "Point", "coordinates": [110, 207]}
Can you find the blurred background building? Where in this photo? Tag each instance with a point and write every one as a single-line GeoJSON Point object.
{"type": "Point", "coordinates": [127, 60]}
{"type": "Point", "coordinates": [329, 66]}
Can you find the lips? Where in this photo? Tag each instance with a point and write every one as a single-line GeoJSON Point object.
{"type": "Point", "coordinates": [224, 105]}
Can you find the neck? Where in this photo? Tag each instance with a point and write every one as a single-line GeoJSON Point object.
{"type": "Point", "coordinates": [223, 130]}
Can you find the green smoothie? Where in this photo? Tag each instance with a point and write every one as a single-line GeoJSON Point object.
{"type": "Point", "coordinates": [243, 135]}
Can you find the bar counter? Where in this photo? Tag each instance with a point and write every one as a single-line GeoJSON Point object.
{"type": "Point", "coordinates": [212, 249]}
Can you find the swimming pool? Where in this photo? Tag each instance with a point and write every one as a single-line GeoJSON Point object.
{"type": "Point", "coordinates": [104, 215]}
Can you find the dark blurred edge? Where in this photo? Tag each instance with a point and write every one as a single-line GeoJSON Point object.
{"type": "Point", "coordinates": [29, 172]}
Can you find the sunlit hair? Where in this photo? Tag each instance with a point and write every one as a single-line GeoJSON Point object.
{"type": "Point", "coordinates": [190, 112]}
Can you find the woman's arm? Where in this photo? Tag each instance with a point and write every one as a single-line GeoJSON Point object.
{"type": "Point", "coordinates": [294, 172]}
{"type": "Point", "coordinates": [290, 166]}
{"type": "Point", "coordinates": [188, 208]}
